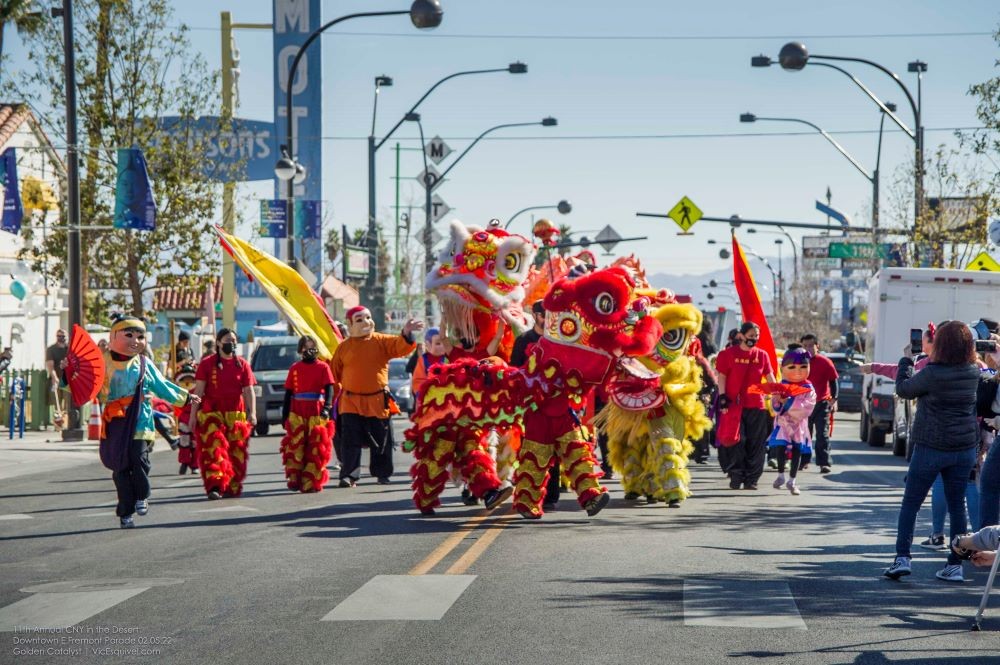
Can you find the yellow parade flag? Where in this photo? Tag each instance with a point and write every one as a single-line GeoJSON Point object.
{"type": "Point", "coordinates": [286, 289]}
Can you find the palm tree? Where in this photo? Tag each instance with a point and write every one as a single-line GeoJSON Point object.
{"type": "Point", "coordinates": [565, 237]}
{"type": "Point", "coordinates": [19, 13]}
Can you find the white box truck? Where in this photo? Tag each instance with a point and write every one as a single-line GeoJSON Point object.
{"type": "Point", "coordinates": [903, 298]}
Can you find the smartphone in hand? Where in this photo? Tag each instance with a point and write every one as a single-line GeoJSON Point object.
{"type": "Point", "coordinates": [916, 340]}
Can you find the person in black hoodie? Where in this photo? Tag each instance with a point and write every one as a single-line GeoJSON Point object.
{"type": "Point", "coordinates": [944, 436]}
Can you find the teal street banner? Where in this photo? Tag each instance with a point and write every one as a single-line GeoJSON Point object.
{"type": "Point", "coordinates": [308, 219]}
{"type": "Point", "coordinates": [134, 205]}
{"type": "Point", "coordinates": [13, 213]}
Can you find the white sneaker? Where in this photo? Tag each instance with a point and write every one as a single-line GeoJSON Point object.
{"type": "Point", "coordinates": [141, 507]}
{"type": "Point", "coordinates": [779, 481]}
{"type": "Point", "coordinates": [951, 573]}
{"type": "Point", "coordinates": [900, 566]}
{"type": "Point", "coordinates": [792, 487]}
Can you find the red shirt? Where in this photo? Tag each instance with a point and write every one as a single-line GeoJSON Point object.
{"type": "Point", "coordinates": [224, 385]}
{"type": "Point", "coordinates": [744, 369]}
{"type": "Point", "coordinates": [821, 373]}
{"type": "Point", "coordinates": [311, 377]}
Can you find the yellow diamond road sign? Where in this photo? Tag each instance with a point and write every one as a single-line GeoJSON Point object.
{"type": "Point", "coordinates": [984, 262]}
{"type": "Point", "coordinates": [685, 213]}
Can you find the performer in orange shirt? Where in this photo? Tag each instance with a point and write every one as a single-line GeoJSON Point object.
{"type": "Point", "coordinates": [308, 442]}
{"type": "Point", "coordinates": [225, 419]}
{"type": "Point", "coordinates": [361, 366]}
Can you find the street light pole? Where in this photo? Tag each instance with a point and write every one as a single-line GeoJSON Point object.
{"type": "Point", "coordinates": [794, 56]}
{"type": "Point", "coordinates": [74, 267]}
{"type": "Point", "coordinates": [378, 299]}
{"type": "Point", "coordinates": [423, 14]}
{"type": "Point", "coordinates": [428, 187]}
{"type": "Point", "coordinates": [564, 207]}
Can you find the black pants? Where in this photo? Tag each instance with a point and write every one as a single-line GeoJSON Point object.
{"type": "Point", "coordinates": [359, 432]}
{"type": "Point", "coordinates": [554, 487]}
{"type": "Point", "coordinates": [782, 455]}
{"type": "Point", "coordinates": [819, 428]}
{"type": "Point", "coordinates": [132, 482]}
{"type": "Point", "coordinates": [744, 462]}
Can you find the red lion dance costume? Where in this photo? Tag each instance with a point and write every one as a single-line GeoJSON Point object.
{"type": "Point", "coordinates": [592, 322]}
{"type": "Point", "coordinates": [223, 431]}
{"type": "Point", "coordinates": [307, 446]}
{"type": "Point", "coordinates": [478, 280]}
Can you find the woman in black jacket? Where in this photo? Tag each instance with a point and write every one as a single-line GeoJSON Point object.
{"type": "Point", "coordinates": [944, 436]}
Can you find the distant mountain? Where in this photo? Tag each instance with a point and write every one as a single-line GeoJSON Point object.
{"type": "Point", "coordinates": [692, 285]}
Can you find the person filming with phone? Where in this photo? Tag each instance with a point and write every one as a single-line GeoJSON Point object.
{"type": "Point", "coordinates": [945, 436]}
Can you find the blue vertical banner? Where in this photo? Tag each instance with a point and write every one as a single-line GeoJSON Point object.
{"type": "Point", "coordinates": [294, 21]}
{"type": "Point", "coordinates": [134, 205]}
{"type": "Point", "coordinates": [274, 218]}
{"type": "Point", "coordinates": [13, 213]}
{"type": "Point", "coordinates": [308, 219]}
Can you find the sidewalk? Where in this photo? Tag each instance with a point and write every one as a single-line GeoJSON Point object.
{"type": "Point", "coordinates": [42, 452]}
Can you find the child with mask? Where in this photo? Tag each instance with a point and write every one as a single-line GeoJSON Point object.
{"type": "Point", "coordinates": [307, 446]}
{"type": "Point", "coordinates": [792, 407]}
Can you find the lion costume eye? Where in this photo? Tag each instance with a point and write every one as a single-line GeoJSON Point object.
{"type": "Point", "coordinates": [605, 303]}
{"type": "Point", "coordinates": [674, 338]}
{"type": "Point", "coordinates": [512, 262]}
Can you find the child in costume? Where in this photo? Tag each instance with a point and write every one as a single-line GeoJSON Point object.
{"type": "Point", "coordinates": [792, 409]}
{"type": "Point", "coordinates": [307, 446]}
{"type": "Point", "coordinates": [128, 416]}
{"type": "Point", "coordinates": [226, 418]}
{"type": "Point", "coordinates": [361, 366]}
{"type": "Point", "coordinates": [187, 455]}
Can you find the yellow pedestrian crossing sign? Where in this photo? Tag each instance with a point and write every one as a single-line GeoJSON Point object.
{"type": "Point", "coordinates": [685, 213]}
{"type": "Point", "coordinates": [984, 262]}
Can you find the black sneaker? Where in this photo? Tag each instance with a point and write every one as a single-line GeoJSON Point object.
{"type": "Point", "coordinates": [674, 503]}
{"type": "Point", "coordinates": [384, 481]}
{"type": "Point", "coordinates": [183, 470]}
{"type": "Point", "coordinates": [127, 522]}
{"type": "Point", "coordinates": [597, 504]}
{"type": "Point", "coordinates": [468, 499]}
{"type": "Point", "coordinates": [750, 486]}
{"type": "Point", "coordinates": [631, 496]}
{"type": "Point", "coordinates": [214, 495]}
{"type": "Point", "coordinates": [825, 469]}
{"type": "Point", "coordinates": [734, 484]}
{"type": "Point", "coordinates": [344, 482]}
{"type": "Point", "coordinates": [494, 498]}
{"type": "Point", "coordinates": [935, 543]}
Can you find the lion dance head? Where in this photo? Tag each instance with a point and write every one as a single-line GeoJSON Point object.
{"type": "Point", "coordinates": [478, 279]}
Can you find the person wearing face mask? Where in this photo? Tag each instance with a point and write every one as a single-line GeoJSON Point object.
{"type": "Point", "coordinates": [227, 416]}
{"type": "Point", "coordinates": [744, 423]}
{"type": "Point", "coordinates": [128, 416]}
{"type": "Point", "coordinates": [361, 366]}
{"type": "Point", "coordinates": [308, 442]}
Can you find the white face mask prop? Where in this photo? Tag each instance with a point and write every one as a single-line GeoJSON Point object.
{"type": "Point", "coordinates": [361, 324]}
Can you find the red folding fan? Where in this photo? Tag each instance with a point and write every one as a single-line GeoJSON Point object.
{"type": "Point", "coordinates": [84, 367]}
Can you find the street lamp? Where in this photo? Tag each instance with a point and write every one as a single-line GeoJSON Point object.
{"type": "Point", "coordinates": [794, 57]}
{"type": "Point", "coordinates": [564, 207]}
{"type": "Point", "coordinates": [423, 14]}
{"type": "Point", "coordinates": [795, 256]}
{"type": "Point", "coordinates": [548, 121]}
{"type": "Point", "coordinates": [378, 299]}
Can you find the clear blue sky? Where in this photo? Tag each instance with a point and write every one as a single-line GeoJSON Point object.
{"type": "Point", "coordinates": [652, 84]}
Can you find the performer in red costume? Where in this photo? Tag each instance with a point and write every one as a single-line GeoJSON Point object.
{"type": "Point", "coordinates": [593, 321]}
{"type": "Point", "coordinates": [187, 453]}
{"type": "Point", "coordinates": [308, 442]}
{"type": "Point", "coordinates": [225, 419]}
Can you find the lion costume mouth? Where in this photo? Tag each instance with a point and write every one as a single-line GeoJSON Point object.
{"type": "Point", "coordinates": [634, 387]}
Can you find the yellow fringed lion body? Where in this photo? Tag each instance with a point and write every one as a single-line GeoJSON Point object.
{"type": "Point", "coordinates": [650, 449]}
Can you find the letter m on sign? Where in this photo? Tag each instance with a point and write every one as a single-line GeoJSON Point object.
{"type": "Point", "coordinates": [291, 16]}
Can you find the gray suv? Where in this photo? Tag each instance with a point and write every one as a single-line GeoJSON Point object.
{"type": "Point", "coordinates": [270, 362]}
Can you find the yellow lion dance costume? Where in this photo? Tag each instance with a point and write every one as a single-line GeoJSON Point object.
{"type": "Point", "coordinates": [649, 439]}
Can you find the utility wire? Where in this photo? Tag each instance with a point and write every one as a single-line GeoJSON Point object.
{"type": "Point", "coordinates": [663, 38]}
{"type": "Point", "coordinates": [600, 137]}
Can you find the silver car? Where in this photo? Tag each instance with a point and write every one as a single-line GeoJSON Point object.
{"type": "Point", "coordinates": [400, 385]}
{"type": "Point", "coordinates": [270, 362]}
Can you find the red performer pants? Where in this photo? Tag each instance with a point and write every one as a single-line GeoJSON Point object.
{"type": "Point", "coordinates": [549, 436]}
{"type": "Point", "coordinates": [307, 446]}
{"type": "Point", "coordinates": [453, 446]}
{"type": "Point", "coordinates": [223, 450]}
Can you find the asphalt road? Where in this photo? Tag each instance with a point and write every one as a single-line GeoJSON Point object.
{"type": "Point", "coordinates": [356, 576]}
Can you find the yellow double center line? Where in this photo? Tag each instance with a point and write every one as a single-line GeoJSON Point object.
{"type": "Point", "coordinates": [470, 556]}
